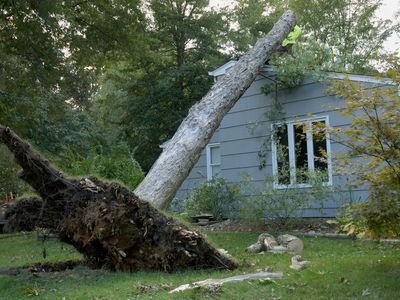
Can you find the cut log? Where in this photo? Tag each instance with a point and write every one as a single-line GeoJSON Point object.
{"type": "Point", "coordinates": [238, 278]}
{"type": "Point", "coordinates": [298, 263]}
{"type": "Point", "coordinates": [183, 151]}
{"type": "Point", "coordinates": [107, 223]}
{"type": "Point", "coordinates": [291, 242]}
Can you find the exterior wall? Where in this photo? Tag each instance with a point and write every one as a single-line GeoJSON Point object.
{"type": "Point", "coordinates": [239, 144]}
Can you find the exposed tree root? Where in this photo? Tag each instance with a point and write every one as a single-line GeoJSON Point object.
{"type": "Point", "coordinates": [108, 223]}
{"type": "Point", "coordinates": [26, 214]}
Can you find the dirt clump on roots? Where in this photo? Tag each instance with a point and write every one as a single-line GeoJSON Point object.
{"type": "Point", "coordinates": [26, 214]}
{"type": "Point", "coordinates": [118, 230]}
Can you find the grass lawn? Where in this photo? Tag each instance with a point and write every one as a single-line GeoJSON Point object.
{"type": "Point", "coordinates": [339, 269]}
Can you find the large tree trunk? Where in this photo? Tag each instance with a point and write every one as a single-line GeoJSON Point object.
{"type": "Point", "coordinates": [181, 154]}
{"type": "Point", "coordinates": [106, 222]}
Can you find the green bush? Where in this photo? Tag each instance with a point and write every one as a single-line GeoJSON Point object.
{"type": "Point", "coordinates": [118, 165]}
{"type": "Point", "coordinates": [215, 197]}
{"type": "Point", "coordinates": [382, 213]}
{"type": "Point", "coordinates": [373, 138]}
{"type": "Point", "coordinates": [376, 218]}
{"type": "Point", "coordinates": [9, 181]}
{"type": "Point", "coordinates": [285, 205]}
{"type": "Point", "coordinates": [350, 221]}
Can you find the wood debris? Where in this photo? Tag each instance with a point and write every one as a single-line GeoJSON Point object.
{"type": "Point", "coordinates": [237, 278]}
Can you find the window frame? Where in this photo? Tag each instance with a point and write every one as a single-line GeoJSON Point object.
{"type": "Point", "coordinates": [210, 165]}
{"type": "Point", "coordinates": [310, 154]}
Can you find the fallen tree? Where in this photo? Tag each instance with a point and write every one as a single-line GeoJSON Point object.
{"type": "Point", "coordinates": [108, 223]}
{"type": "Point", "coordinates": [114, 227]}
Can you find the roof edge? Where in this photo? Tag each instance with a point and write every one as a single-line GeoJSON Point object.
{"type": "Point", "coordinates": [331, 75]}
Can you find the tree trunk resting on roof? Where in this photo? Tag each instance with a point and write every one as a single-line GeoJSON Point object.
{"type": "Point", "coordinates": [183, 151]}
{"type": "Point", "coordinates": [114, 227]}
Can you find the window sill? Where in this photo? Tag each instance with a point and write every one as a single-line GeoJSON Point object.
{"type": "Point", "coordinates": [298, 186]}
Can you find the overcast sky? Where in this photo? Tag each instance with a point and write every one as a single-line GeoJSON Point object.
{"type": "Point", "coordinates": [387, 11]}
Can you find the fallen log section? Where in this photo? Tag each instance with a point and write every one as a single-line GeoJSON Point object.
{"type": "Point", "coordinates": [211, 282]}
{"type": "Point", "coordinates": [108, 223]}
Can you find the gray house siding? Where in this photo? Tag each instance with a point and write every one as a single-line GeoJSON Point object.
{"type": "Point", "coordinates": [239, 144]}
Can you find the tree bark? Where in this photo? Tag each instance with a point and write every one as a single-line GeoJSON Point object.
{"type": "Point", "coordinates": [183, 151]}
{"type": "Point", "coordinates": [107, 223]}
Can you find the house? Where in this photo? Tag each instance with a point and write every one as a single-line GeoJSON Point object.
{"type": "Point", "coordinates": [233, 151]}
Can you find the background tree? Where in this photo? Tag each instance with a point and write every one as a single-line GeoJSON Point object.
{"type": "Point", "coordinates": [184, 43]}
{"type": "Point", "coordinates": [51, 54]}
{"type": "Point", "coordinates": [250, 19]}
{"type": "Point", "coordinates": [350, 29]}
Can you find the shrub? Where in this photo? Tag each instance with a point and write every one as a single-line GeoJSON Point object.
{"type": "Point", "coordinates": [215, 197]}
{"type": "Point", "coordinates": [9, 181]}
{"type": "Point", "coordinates": [285, 205]}
{"type": "Point", "coordinates": [350, 221]}
{"type": "Point", "coordinates": [373, 138]}
{"type": "Point", "coordinates": [378, 217]}
{"type": "Point", "coordinates": [382, 213]}
{"type": "Point", "coordinates": [119, 165]}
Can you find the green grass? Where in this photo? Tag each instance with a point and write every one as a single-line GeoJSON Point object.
{"type": "Point", "coordinates": [339, 269]}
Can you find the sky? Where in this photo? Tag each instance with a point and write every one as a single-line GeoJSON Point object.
{"type": "Point", "coordinates": [387, 11]}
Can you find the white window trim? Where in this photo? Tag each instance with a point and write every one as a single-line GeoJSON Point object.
{"type": "Point", "coordinates": [208, 158]}
{"type": "Point", "coordinates": [310, 154]}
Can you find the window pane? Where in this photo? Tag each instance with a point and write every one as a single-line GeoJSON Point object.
{"type": "Point", "coordinates": [215, 155]}
{"type": "Point", "coordinates": [320, 148]}
{"type": "Point", "coordinates": [282, 154]}
{"type": "Point", "coordinates": [215, 170]}
{"type": "Point", "coordinates": [300, 143]}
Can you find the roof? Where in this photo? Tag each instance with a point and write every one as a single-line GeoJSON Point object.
{"type": "Point", "coordinates": [331, 75]}
{"type": "Point", "coordinates": [222, 69]}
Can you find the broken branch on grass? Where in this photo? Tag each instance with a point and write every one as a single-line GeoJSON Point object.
{"type": "Point", "coordinates": [237, 278]}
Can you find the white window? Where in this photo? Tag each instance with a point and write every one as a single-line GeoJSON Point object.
{"type": "Point", "coordinates": [213, 161]}
{"type": "Point", "coordinates": [301, 148]}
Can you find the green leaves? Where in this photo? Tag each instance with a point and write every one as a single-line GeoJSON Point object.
{"type": "Point", "coordinates": [292, 37]}
{"type": "Point", "coordinates": [215, 197]}
{"type": "Point", "coordinates": [3, 109]}
{"type": "Point", "coordinates": [251, 21]}
{"type": "Point", "coordinates": [350, 29]}
{"type": "Point", "coordinates": [373, 137]}
{"type": "Point", "coordinates": [146, 99]}
{"type": "Point", "coordinates": [9, 181]}
{"type": "Point", "coordinates": [392, 74]}
{"type": "Point", "coordinates": [119, 164]}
